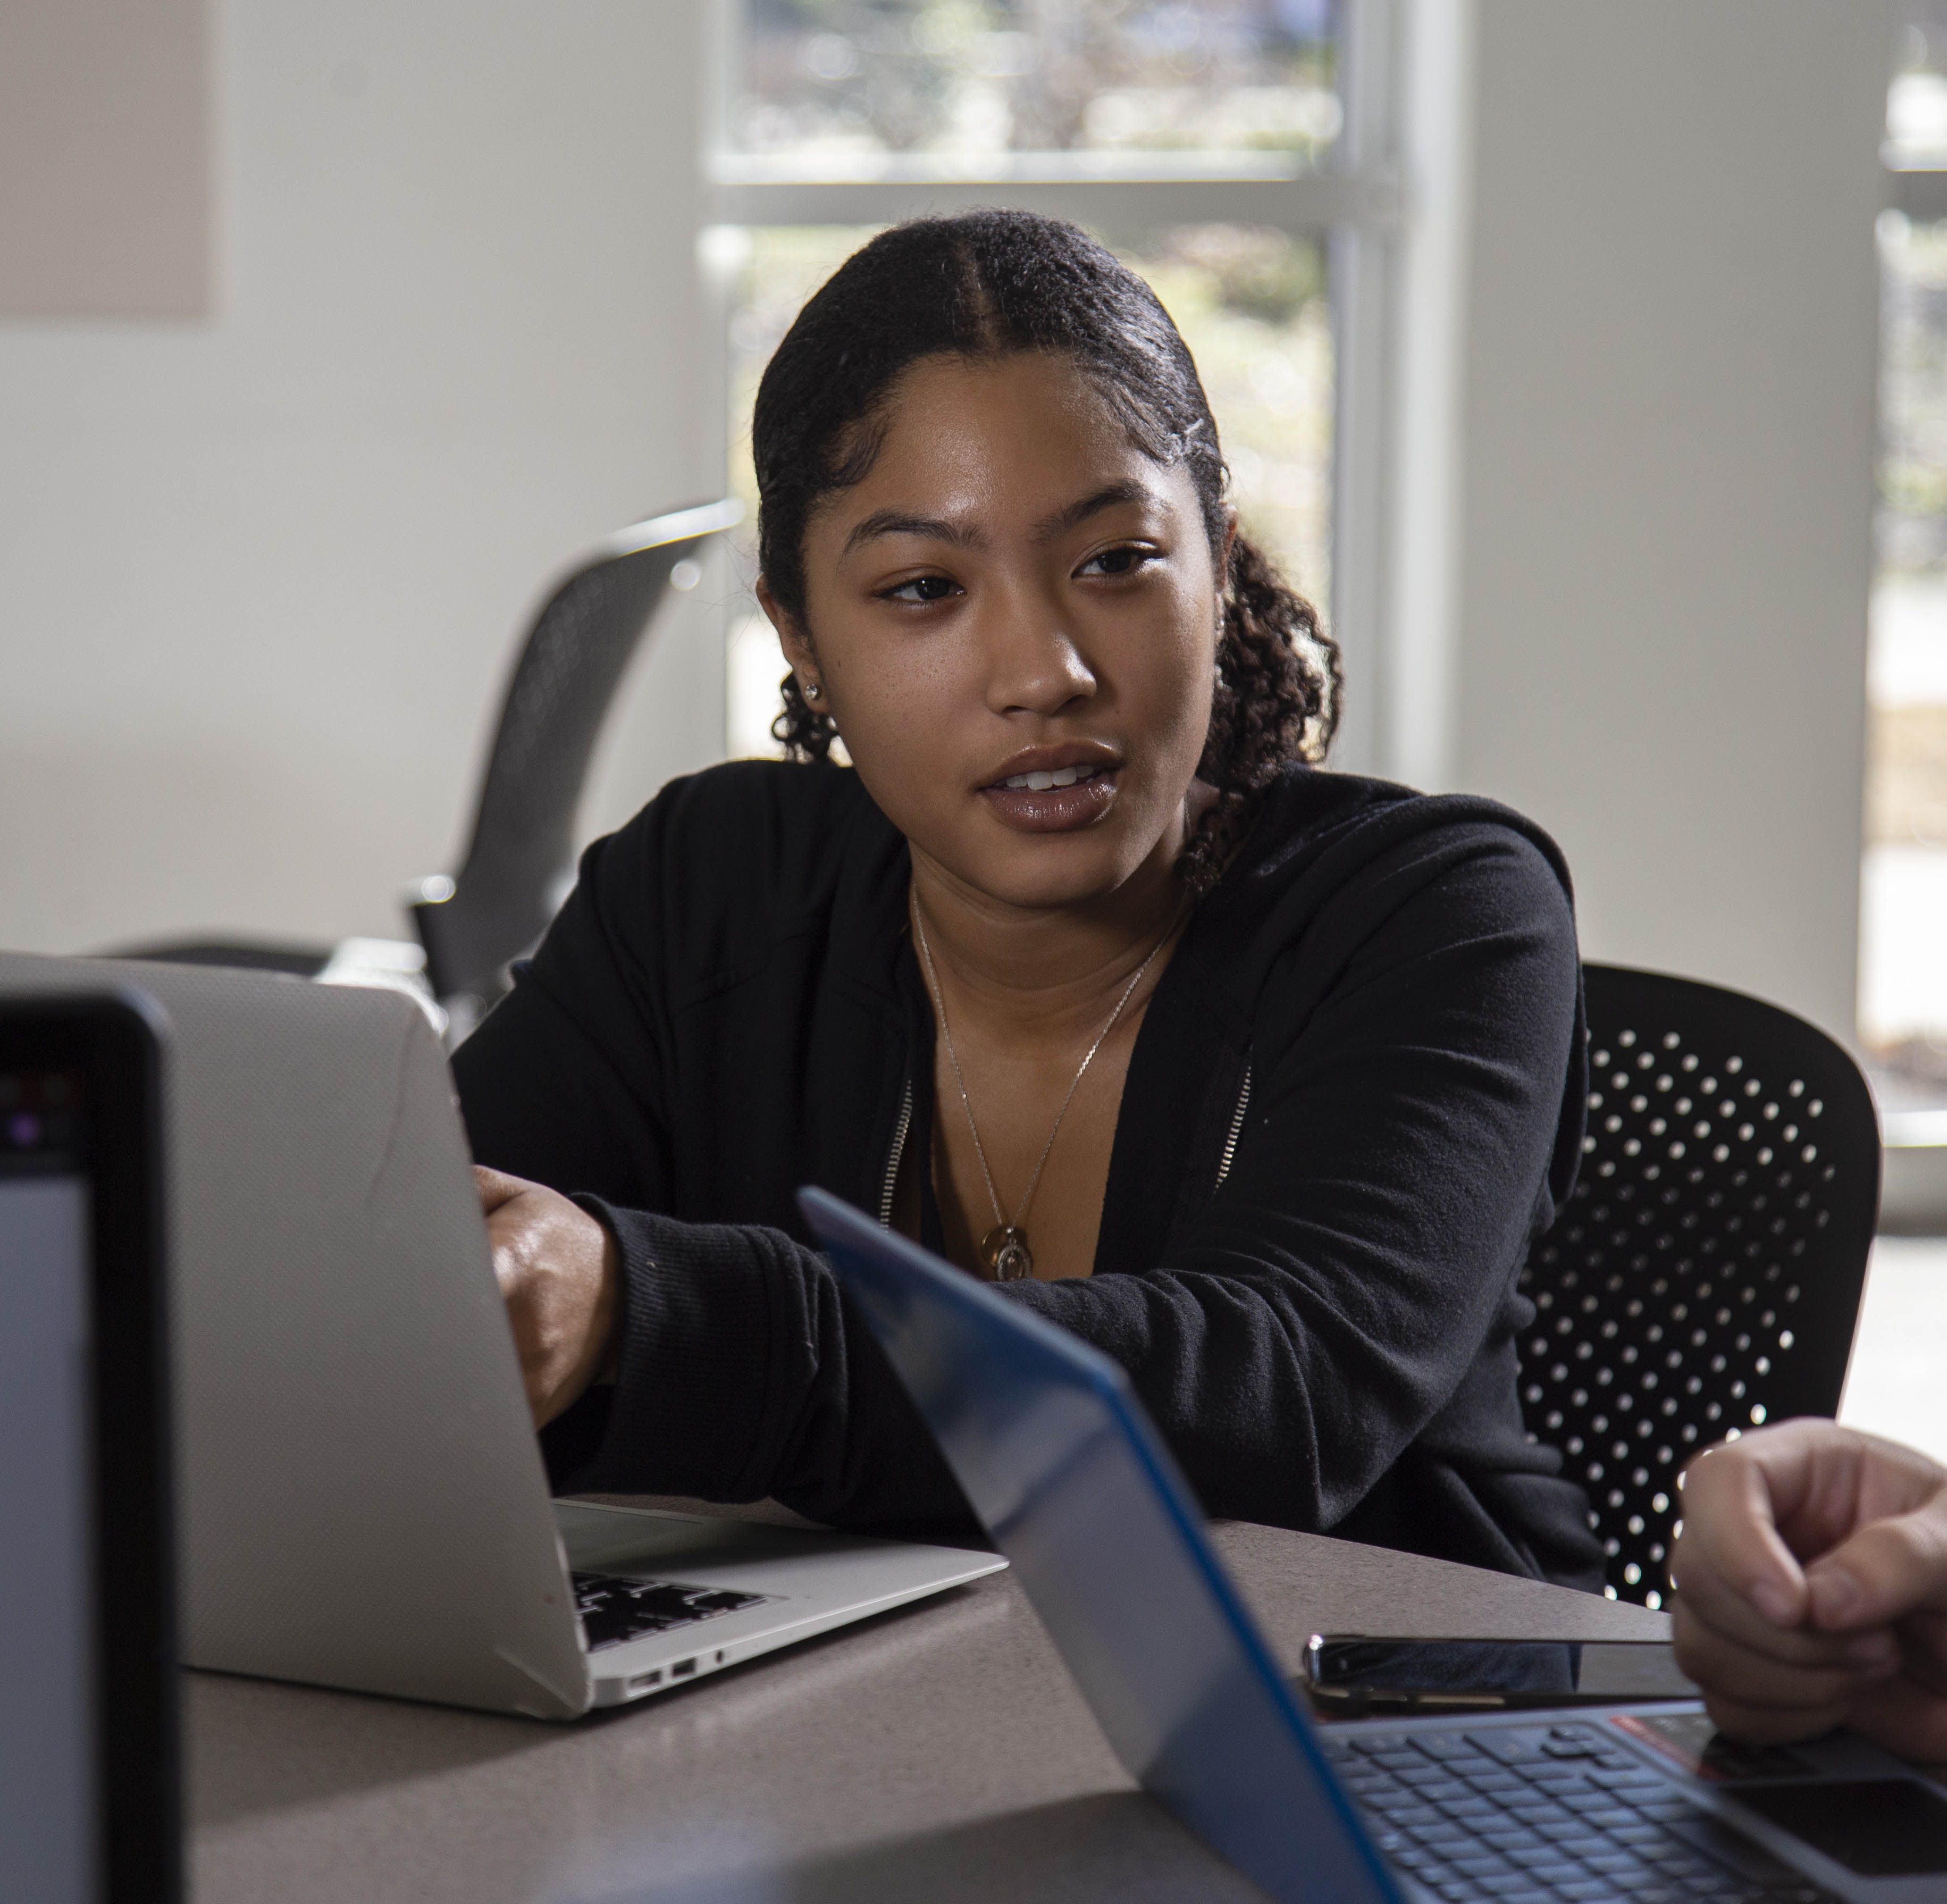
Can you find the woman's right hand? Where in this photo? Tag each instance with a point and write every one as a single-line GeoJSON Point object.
{"type": "Point", "coordinates": [560, 1281]}
{"type": "Point", "coordinates": [1812, 1587]}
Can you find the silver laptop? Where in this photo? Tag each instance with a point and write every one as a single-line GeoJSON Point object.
{"type": "Point", "coordinates": [1631, 1805]}
{"type": "Point", "coordinates": [362, 1503]}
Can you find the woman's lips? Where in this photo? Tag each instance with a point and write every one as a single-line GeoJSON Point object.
{"type": "Point", "coordinates": [1047, 808]}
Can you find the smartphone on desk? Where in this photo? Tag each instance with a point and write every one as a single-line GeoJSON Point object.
{"type": "Point", "coordinates": [1357, 1675]}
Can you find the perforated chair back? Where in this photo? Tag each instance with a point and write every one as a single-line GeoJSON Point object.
{"type": "Point", "coordinates": [520, 860]}
{"type": "Point", "coordinates": [1705, 1276]}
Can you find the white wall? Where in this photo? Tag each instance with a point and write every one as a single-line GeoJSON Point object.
{"type": "Point", "coordinates": [1665, 468]}
{"type": "Point", "coordinates": [259, 575]}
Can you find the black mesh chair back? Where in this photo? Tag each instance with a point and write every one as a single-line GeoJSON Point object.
{"type": "Point", "coordinates": [520, 861]}
{"type": "Point", "coordinates": [1705, 1276]}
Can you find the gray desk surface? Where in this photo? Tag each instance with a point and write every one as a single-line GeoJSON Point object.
{"type": "Point", "coordinates": [938, 1752]}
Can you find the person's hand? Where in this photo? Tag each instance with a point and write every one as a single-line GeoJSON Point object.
{"type": "Point", "coordinates": [558, 1277]}
{"type": "Point", "coordinates": [1811, 1581]}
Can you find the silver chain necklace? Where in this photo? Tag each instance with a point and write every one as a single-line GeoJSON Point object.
{"type": "Point", "coordinates": [1004, 1250]}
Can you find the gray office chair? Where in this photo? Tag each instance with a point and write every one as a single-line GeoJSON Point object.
{"type": "Point", "coordinates": [520, 860]}
{"type": "Point", "coordinates": [1705, 1276]}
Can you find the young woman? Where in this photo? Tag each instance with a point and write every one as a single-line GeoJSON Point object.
{"type": "Point", "coordinates": [1258, 1077]}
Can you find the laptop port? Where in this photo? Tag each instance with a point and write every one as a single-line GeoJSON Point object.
{"type": "Point", "coordinates": [643, 1680]}
{"type": "Point", "coordinates": [682, 1669]}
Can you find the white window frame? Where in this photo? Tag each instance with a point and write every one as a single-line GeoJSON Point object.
{"type": "Point", "coordinates": [1394, 285]}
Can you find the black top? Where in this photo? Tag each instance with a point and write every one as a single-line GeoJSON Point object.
{"type": "Point", "coordinates": [1356, 1096]}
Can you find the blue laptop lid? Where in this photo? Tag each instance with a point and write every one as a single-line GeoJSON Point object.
{"type": "Point", "coordinates": [1065, 1470]}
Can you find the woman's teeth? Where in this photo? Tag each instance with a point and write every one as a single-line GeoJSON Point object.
{"type": "Point", "coordinates": [1039, 783]}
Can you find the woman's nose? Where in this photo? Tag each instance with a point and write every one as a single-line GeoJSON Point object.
{"type": "Point", "coordinates": [1033, 663]}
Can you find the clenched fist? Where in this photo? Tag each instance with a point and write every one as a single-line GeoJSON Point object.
{"type": "Point", "coordinates": [1812, 1587]}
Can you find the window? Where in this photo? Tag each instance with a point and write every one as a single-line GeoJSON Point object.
{"type": "Point", "coordinates": [827, 90]}
{"type": "Point", "coordinates": [1217, 146]}
{"type": "Point", "coordinates": [1903, 913]}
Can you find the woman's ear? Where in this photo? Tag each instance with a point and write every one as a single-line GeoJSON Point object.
{"type": "Point", "coordinates": [791, 635]}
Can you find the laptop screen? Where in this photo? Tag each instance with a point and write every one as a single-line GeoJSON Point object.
{"type": "Point", "coordinates": [1056, 1457]}
{"type": "Point", "coordinates": [48, 1777]}
{"type": "Point", "coordinates": [89, 1798]}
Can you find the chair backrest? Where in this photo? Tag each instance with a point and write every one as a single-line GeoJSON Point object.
{"type": "Point", "coordinates": [520, 860]}
{"type": "Point", "coordinates": [1705, 1276]}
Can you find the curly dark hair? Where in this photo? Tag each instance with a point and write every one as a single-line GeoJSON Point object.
{"type": "Point", "coordinates": [986, 284]}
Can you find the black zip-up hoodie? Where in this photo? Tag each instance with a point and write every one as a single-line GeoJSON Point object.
{"type": "Point", "coordinates": [1356, 1098]}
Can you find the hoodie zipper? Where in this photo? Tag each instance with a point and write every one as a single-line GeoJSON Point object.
{"type": "Point", "coordinates": [1236, 1131]}
{"type": "Point", "coordinates": [900, 1131]}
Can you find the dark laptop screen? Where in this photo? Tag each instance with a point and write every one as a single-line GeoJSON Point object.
{"type": "Point", "coordinates": [48, 1778]}
{"type": "Point", "coordinates": [90, 1805]}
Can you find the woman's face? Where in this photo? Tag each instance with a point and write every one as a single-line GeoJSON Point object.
{"type": "Point", "coordinates": [1015, 591]}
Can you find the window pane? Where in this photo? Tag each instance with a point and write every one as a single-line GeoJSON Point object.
{"type": "Point", "coordinates": [1903, 963]}
{"type": "Point", "coordinates": [851, 78]}
{"type": "Point", "coordinates": [1917, 100]}
{"type": "Point", "coordinates": [1251, 305]}
{"type": "Point", "coordinates": [782, 266]}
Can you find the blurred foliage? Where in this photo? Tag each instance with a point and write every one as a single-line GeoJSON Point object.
{"type": "Point", "coordinates": [1913, 396]}
{"type": "Point", "coordinates": [904, 75]}
{"type": "Point", "coordinates": [1251, 271]}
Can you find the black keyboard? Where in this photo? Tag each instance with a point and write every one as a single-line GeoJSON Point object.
{"type": "Point", "coordinates": [614, 1608]}
{"type": "Point", "coordinates": [1550, 1814]}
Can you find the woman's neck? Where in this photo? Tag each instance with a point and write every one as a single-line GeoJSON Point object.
{"type": "Point", "coordinates": [1037, 973]}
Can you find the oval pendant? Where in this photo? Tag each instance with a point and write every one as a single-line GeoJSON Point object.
{"type": "Point", "coordinates": [1004, 1252]}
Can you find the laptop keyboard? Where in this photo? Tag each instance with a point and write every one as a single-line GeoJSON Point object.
{"type": "Point", "coordinates": [614, 1608]}
{"type": "Point", "coordinates": [1552, 1815]}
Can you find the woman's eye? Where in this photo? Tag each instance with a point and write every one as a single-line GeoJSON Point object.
{"type": "Point", "coordinates": [923, 588]}
{"type": "Point", "coordinates": [1124, 561]}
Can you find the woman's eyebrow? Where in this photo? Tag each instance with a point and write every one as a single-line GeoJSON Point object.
{"type": "Point", "coordinates": [1128, 490]}
{"type": "Point", "coordinates": [892, 521]}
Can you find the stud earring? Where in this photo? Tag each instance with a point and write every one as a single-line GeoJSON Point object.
{"type": "Point", "coordinates": [811, 690]}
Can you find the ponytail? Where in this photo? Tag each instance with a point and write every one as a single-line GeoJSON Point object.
{"type": "Point", "coordinates": [1277, 699]}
